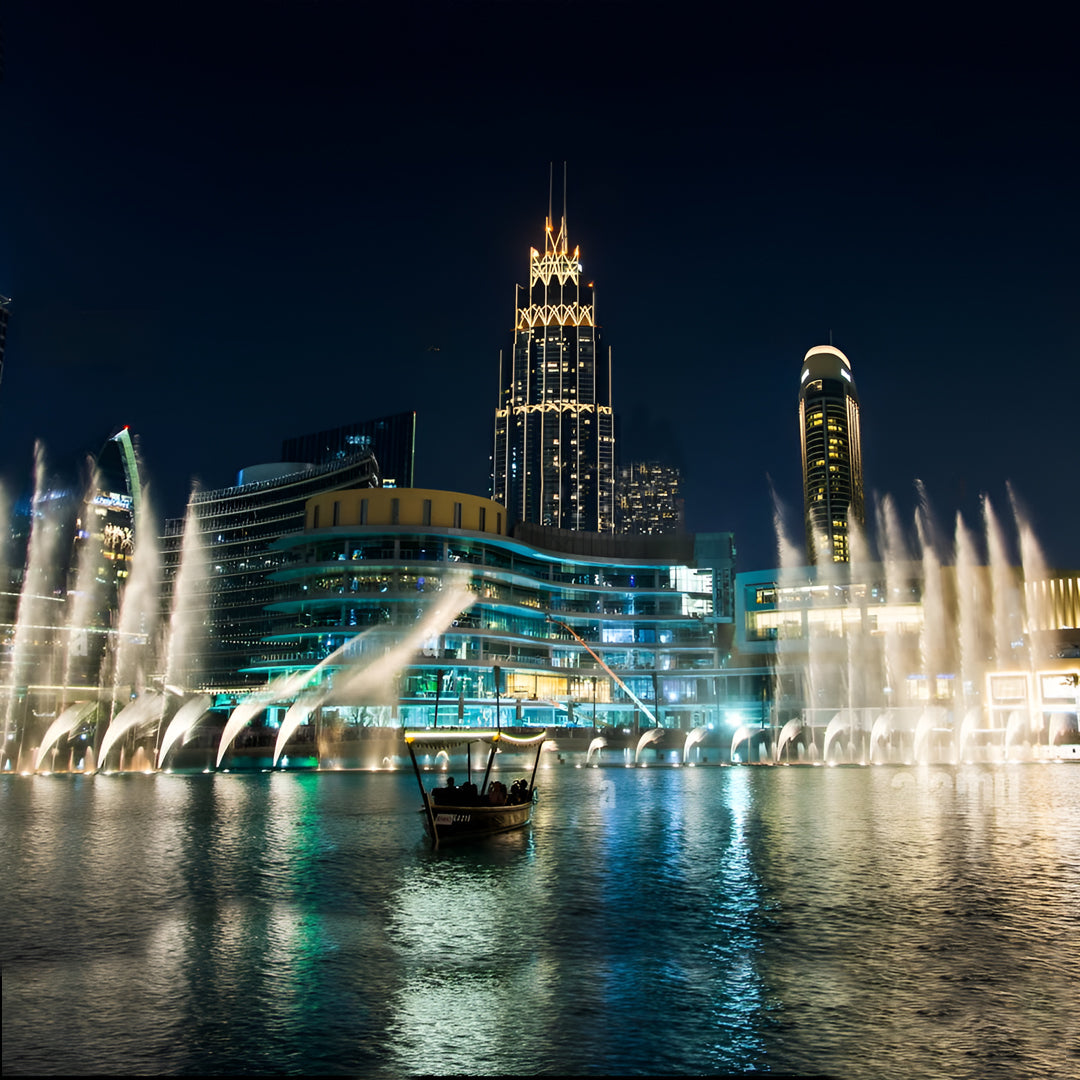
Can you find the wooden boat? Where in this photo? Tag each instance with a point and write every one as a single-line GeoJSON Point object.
{"type": "Point", "coordinates": [468, 812]}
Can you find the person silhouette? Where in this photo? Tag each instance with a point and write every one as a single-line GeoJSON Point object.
{"type": "Point", "coordinates": [445, 795]}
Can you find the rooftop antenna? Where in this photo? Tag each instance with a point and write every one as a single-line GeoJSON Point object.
{"type": "Point", "coordinates": [830, 339]}
{"type": "Point", "coordinates": [566, 238]}
{"type": "Point", "coordinates": [551, 184]}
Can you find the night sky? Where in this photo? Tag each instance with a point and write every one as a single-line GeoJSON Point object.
{"type": "Point", "coordinates": [229, 224]}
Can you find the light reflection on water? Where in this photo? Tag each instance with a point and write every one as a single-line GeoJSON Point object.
{"type": "Point", "coordinates": [855, 922]}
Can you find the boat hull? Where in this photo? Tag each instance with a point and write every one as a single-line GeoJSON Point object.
{"type": "Point", "coordinates": [474, 822]}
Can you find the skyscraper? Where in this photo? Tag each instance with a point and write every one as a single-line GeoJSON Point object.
{"type": "Point", "coordinates": [831, 453]}
{"type": "Point", "coordinates": [554, 458]}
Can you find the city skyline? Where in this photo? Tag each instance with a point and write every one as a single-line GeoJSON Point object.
{"type": "Point", "coordinates": [210, 249]}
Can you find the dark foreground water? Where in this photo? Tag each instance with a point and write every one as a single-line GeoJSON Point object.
{"type": "Point", "coordinates": [851, 922]}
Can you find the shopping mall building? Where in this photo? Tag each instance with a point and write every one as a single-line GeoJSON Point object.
{"type": "Point", "coordinates": [557, 628]}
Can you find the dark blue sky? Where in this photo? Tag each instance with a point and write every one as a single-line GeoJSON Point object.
{"type": "Point", "coordinates": [229, 224]}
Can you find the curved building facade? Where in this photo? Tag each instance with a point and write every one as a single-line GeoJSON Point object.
{"type": "Point", "coordinates": [237, 529]}
{"type": "Point", "coordinates": [563, 628]}
{"type": "Point", "coordinates": [831, 454]}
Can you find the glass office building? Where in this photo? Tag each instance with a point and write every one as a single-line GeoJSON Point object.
{"type": "Point", "coordinates": [392, 439]}
{"type": "Point", "coordinates": [554, 452]}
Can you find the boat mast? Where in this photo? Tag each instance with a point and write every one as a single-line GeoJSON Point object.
{"type": "Point", "coordinates": [423, 795]}
{"type": "Point", "coordinates": [487, 772]}
{"type": "Point", "coordinates": [536, 765]}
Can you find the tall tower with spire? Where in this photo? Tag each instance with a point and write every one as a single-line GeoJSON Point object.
{"type": "Point", "coordinates": [554, 456]}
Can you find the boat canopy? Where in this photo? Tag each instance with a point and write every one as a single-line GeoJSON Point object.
{"type": "Point", "coordinates": [444, 739]}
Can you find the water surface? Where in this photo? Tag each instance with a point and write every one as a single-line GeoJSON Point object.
{"type": "Point", "coordinates": [842, 921]}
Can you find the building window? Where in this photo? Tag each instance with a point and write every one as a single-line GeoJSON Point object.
{"type": "Point", "coordinates": [315, 517]}
{"type": "Point", "coordinates": [395, 511]}
{"type": "Point", "coordinates": [457, 515]}
{"type": "Point", "coordinates": [498, 524]}
{"type": "Point", "coordinates": [427, 512]}
{"type": "Point", "coordinates": [363, 511]}
{"type": "Point", "coordinates": [337, 512]}
{"type": "Point", "coordinates": [483, 519]}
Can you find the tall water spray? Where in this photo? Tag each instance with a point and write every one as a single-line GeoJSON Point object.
{"type": "Point", "coordinates": [37, 618]}
{"type": "Point", "coordinates": [85, 598]}
{"type": "Point", "coordinates": [186, 636]}
{"type": "Point", "coordinates": [1036, 603]}
{"type": "Point", "coordinates": [897, 565]}
{"type": "Point", "coordinates": [789, 559]}
{"type": "Point", "coordinates": [139, 609]}
{"type": "Point", "coordinates": [973, 616]}
{"type": "Point", "coordinates": [1005, 598]}
{"type": "Point", "coordinates": [5, 570]}
{"type": "Point", "coordinates": [861, 646]}
{"type": "Point", "coordinates": [937, 628]}
{"type": "Point", "coordinates": [1035, 570]}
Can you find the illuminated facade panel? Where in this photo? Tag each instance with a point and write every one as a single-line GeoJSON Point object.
{"type": "Point", "coordinates": [831, 453]}
{"type": "Point", "coordinates": [554, 452]}
{"type": "Point", "coordinates": [648, 498]}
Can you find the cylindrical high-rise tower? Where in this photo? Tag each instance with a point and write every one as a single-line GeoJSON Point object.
{"type": "Point", "coordinates": [831, 453]}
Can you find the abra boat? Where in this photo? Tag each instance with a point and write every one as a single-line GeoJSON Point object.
{"type": "Point", "coordinates": [469, 812]}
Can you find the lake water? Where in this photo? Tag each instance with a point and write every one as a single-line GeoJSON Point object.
{"type": "Point", "coordinates": [848, 922]}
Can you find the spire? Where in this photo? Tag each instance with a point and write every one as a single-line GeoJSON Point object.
{"type": "Point", "coordinates": [556, 243]}
{"type": "Point", "coordinates": [548, 238]}
{"type": "Point", "coordinates": [551, 184]}
{"type": "Point", "coordinates": [565, 235]}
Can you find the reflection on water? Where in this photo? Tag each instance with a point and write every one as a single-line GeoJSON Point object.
{"type": "Point", "coordinates": [854, 922]}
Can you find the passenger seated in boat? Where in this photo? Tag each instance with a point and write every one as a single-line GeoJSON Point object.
{"type": "Point", "coordinates": [444, 796]}
{"type": "Point", "coordinates": [519, 791]}
{"type": "Point", "coordinates": [497, 793]}
{"type": "Point", "coordinates": [468, 795]}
